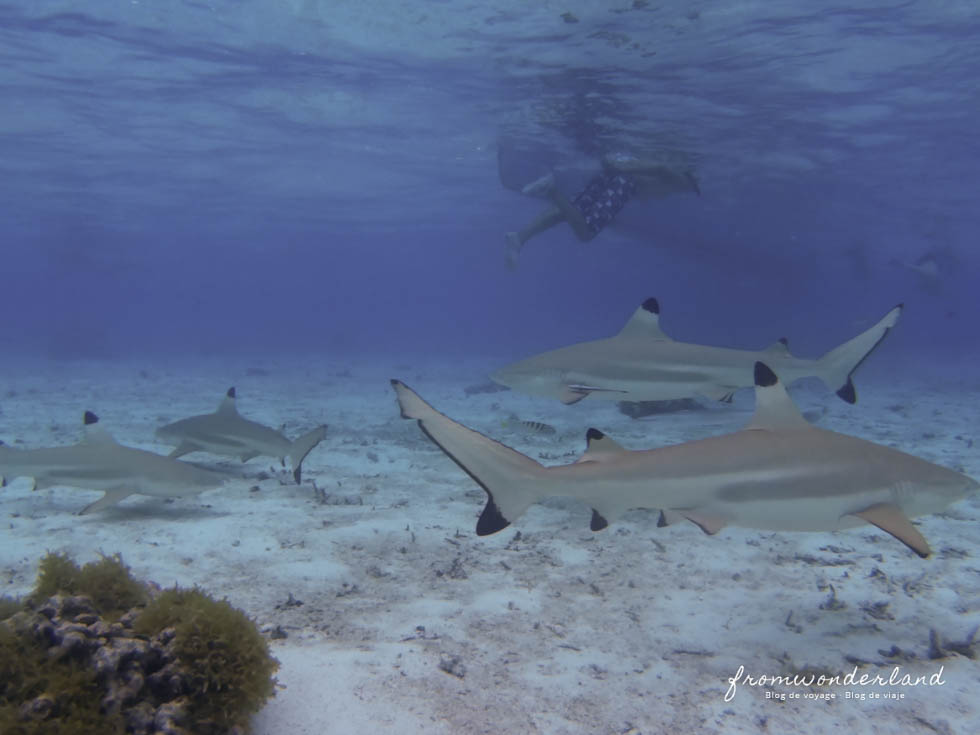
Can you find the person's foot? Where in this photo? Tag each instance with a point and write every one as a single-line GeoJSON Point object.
{"type": "Point", "coordinates": [513, 250]}
{"type": "Point", "coordinates": [541, 187]}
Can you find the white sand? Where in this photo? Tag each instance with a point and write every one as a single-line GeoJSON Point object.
{"type": "Point", "coordinates": [547, 627]}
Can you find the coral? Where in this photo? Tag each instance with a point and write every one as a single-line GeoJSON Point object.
{"type": "Point", "coordinates": [89, 658]}
{"type": "Point", "coordinates": [42, 694]}
{"type": "Point", "coordinates": [225, 659]}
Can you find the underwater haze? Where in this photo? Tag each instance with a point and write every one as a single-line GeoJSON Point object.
{"type": "Point", "coordinates": [313, 177]}
{"type": "Point", "coordinates": [244, 241]}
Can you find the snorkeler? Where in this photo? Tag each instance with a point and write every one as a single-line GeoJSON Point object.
{"type": "Point", "coordinates": [622, 178]}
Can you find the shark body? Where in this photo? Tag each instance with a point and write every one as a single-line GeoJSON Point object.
{"type": "Point", "coordinates": [778, 473]}
{"type": "Point", "coordinates": [227, 433]}
{"type": "Point", "coordinates": [99, 462]}
{"type": "Point", "coordinates": [642, 363]}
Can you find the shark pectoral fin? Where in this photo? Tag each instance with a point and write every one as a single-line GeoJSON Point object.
{"type": "Point", "coordinates": [890, 519]}
{"type": "Point", "coordinates": [708, 523]}
{"type": "Point", "coordinates": [574, 392]}
{"type": "Point", "coordinates": [569, 395]}
{"type": "Point", "coordinates": [182, 449]}
{"type": "Point", "coordinates": [111, 497]}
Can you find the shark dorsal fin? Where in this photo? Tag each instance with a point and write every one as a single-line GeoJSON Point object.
{"type": "Point", "coordinates": [780, 348]}
{"type": "Point", "coordinates": [94, 432]}
{"type": "Point", "coordinates": [774, 409]}
{"type": "Point", "coordinates": [645, 322]}
{"type": "Point", "coordinates": [599, 447]}
{"type": "Point", "coordinates": [227, 404]}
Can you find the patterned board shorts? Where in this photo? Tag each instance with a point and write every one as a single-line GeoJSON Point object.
{"type": "Point", "coordinates": [602, 199]}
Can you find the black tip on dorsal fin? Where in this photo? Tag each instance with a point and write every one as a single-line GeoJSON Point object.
{"type": "Point", "coordinates": [90, 418]}
{"type": "Point", "coordinates": [598, 522]}
{"type": "Point", "coordinates": [784, 342]}
{"type": "Point", "coordinates": [231, 392]}
{"type": "Point", "coordinates": [764, 376]}
{"type": "Point", "coordinates": [652, 305]}
{"type": "Point", "coordinates": [847, 393]}
{"type": "Point", "coordinates": [594, 435]}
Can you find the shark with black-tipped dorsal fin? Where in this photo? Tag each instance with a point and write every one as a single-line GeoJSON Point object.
{"type": "Point", "coordinates": [227, 433]}
{"type": "Point", "coordinates": [642, 363]}
{"type": "Point", "coordinates": [778, 473]}
{"type": "Point", "coordinates": [99, 462]}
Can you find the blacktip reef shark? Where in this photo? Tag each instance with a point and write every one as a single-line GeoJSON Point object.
{"type": "Point", "coordinates": [642, 363]}
{"type": "Point", "coordinates": [99, 462]}
{"type": "Point", "coordinates": [778, 473]}
{"type": "Point", "coordinates": [225, 432]}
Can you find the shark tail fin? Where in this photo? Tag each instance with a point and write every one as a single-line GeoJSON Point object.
{"type": "Point", "coordinates": [303, 446]}
{"type": "Point", "coordinates": [837, 366]}
{"type": "Point", "coordinates": [511, 480]}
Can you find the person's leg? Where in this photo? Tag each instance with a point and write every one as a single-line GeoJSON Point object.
{"type": "Point", "coordinates": [562, 211]}
{"type": "Point", "coordinates": [571, 214]}
{"type": "Point", "coordinates": [653, 175]}
{"type": "Point", "coordinates": [515, 240]}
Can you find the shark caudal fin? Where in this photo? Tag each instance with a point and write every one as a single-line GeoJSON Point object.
{"type": "Point", "coordinates": [511, 480]}
{"type": "Point", "coordinates": [837, 366]}
{"type": "Point", "coordinates": [303, 446]}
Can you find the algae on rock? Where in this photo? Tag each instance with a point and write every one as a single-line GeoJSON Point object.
{"type": "Point", "coordinates": [93, 650]}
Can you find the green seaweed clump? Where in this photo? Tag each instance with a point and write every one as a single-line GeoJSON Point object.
{"type": "Point", "coordinates": [106, 582]}
{"type": "Point", "coordinates": [55, 573]}
{"type": "Point", "coordinates": [41, 695]}
{"type": "Point", "coordinates": [93, 651]}
{"type": "Point", "coordinates": [220, 651]}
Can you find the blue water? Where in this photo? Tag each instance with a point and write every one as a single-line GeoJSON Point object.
{"type": "Point", "coordinates": [321, 177]}
{"type": "Point", "coordinates": [192, 192]}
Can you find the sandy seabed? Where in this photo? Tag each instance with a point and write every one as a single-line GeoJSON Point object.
{"type": "Point", "coordinates": [389, 614]}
